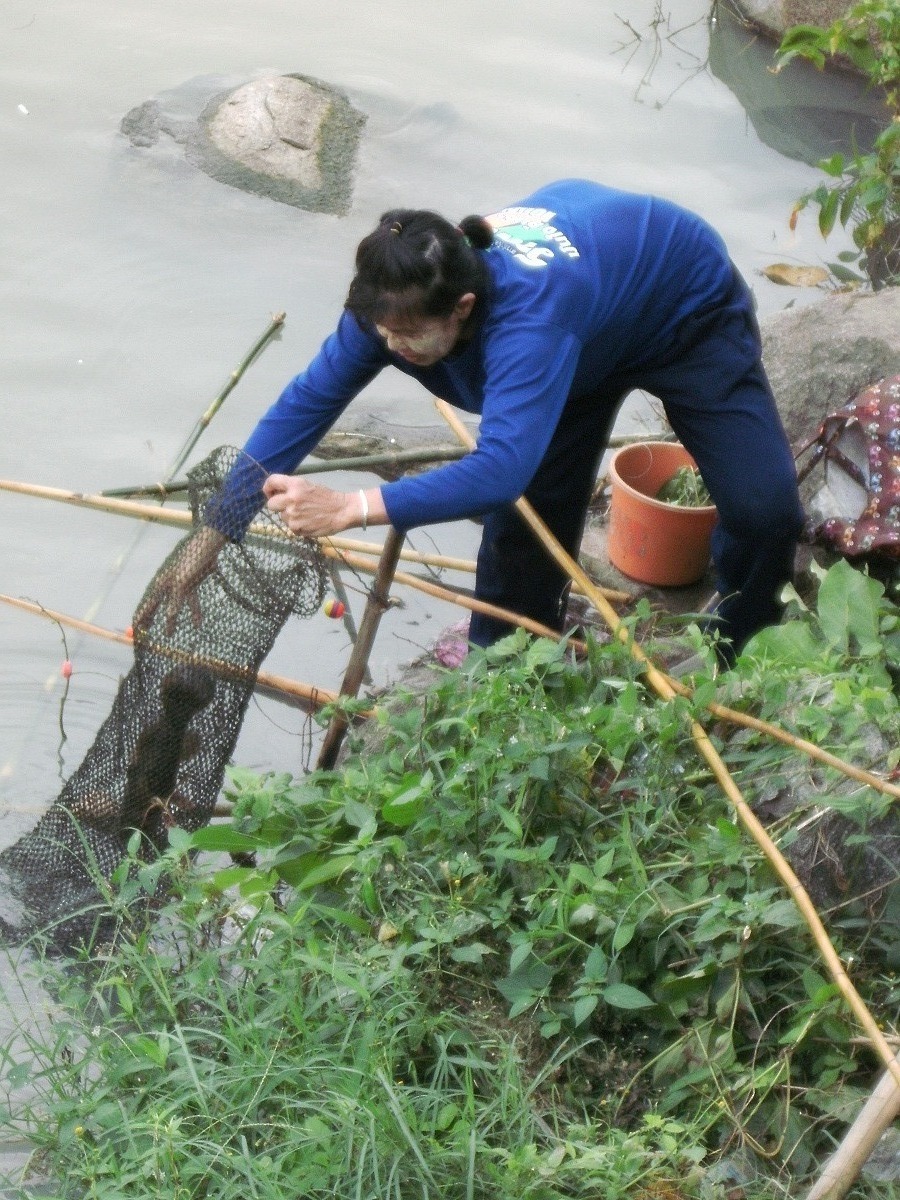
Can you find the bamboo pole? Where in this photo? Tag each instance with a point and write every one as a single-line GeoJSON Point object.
{"type": "Point", "coordinates": [376, 605]}
{"type": "Point", "coordinates": [810, 749]}
{"type": "Point", "coordinates": [180, 518]}
{"type": "Point", "coordinates": [876, 1115]}
{"type": "Point", "coordinates": [307, 695]}
{"type": "Point", "coordinates": [332, 548]}
{"type": "Point", "coordinates": [358, 462]}
{"type": "Point", "coordinates": [663, 688]}
{"type": "Point", "coordinates": [448, 563]}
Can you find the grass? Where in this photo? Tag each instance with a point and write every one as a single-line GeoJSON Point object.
{"type": "Point", "coordinates": [515, 947]}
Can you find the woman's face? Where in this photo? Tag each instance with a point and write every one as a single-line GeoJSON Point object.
{"type": "Point", "coordinates": [423, 341]}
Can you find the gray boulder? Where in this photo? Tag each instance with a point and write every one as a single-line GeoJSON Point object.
{"type": "Point", "coordinates": [773, 17]}
{"type": "Point", "coordinates": [818, 357]}
{"type": "Point", "coordinates": [800, 111]}
{"type": "Point", "coordinates": [287, 137]}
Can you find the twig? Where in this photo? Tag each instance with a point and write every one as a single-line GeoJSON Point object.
{"type": "Point", "coordinates": [340, 593]}
{"type": "Point", "coordinates": [234, 378]}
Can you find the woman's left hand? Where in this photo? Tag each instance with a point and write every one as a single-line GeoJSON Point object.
{"type": "Point", "coordinates": [309, 509]}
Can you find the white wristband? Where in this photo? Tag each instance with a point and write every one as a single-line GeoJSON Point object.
{"type": "Point", "coordinates": [365, 509]}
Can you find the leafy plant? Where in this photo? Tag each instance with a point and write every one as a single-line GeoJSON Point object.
{"type": "Point", "coordinates": [517, 945]}
{"type": "Point", "coordinates": [865, 194]}
{"type": "Point", "coordinates": [685, 488]}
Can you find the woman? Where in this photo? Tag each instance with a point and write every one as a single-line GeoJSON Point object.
{"type": "Point", "coordinates": [542, 318]}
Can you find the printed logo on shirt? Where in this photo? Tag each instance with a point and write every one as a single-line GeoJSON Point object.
{"type": "Point", "coordinates": [527, 233]}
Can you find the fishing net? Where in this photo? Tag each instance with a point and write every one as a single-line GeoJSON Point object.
{"type": "Point", "coordinates": [159, 758]}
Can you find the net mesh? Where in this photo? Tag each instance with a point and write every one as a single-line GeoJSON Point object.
{"type": "Point", "coordinates": [159, 758]}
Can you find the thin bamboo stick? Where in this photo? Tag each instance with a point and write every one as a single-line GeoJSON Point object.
{"type": "Point", "coordinates": [358, 462]}
{"type": "Point", "coordinates": [736, 717]}
{"type": "Point", "coordinates": [347, 620]}
{"type": "Point", "coordinates": [278, 685]}
{"type": "Point", "coordinates": [444, 562]}
{"type": "Point", "coordinates": [663, 688]}
{"type": "Point", "coordinates": [180, 518]}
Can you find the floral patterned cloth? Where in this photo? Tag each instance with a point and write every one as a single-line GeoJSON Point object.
{"type": "Point", "coordinates": [875, 412]}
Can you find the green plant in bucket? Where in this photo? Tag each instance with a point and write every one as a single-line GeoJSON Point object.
{"type": "Point", "coordinates": [686, 489]}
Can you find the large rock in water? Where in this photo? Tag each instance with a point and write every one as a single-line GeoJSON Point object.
{"type": "Point", "coordinates": [775, 16]}
{"type": "Point", "coordinates": [800, 111]}
{"type": "Point", "coordinates": [288, 137]}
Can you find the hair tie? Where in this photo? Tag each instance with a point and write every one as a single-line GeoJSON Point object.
{"type": "Point", "coordinates": [396, 227]}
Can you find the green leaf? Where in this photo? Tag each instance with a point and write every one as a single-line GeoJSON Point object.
{"type": "Point", "coordinates": [623, 935]}
{"type": "Point", "coordinates": [407, 804]}
{"type": "Point", "coordinates": [595, 966]}
{"type": "Point", "coordinates": [833, 166]}
{"type": "Point", "coordinates": [783, 913]}
{"type": "Point", "coordinates": [473, 953]}
{"type": "Point", "coordinates": [332, 868]}
{"type": "Point", "coordinates": [583, 1008]}
{"type": "Point", "coordinates": [224, 838]}
{"type": "Point", "coordinates": [539, 768]}
{"type": "Point", "coordinates": [848, 610]}
{"type": "Point", "coordinates": [17, 1075]}
{"type": "Point", "coordinates": [791, 644]}
{"type": "Point", "coordinates": [828, 212]}
{"type": "Point", "coordinates": [360, 816]}
{"type": "Point", "coordinates": [623, 995]}
{"type": "Point", "coordinates": [512, 823]}
{"type": "Point", "coordinates": [844, 274]}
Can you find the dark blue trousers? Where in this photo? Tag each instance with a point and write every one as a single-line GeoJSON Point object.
{"type": "Point", "coordinates": [719, 403]}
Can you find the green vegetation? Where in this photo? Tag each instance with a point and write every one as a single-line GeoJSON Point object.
{"type": "Point", "coordinates": [865, 193]}
{"type": "Point", "coordinates": [686, 488]}
{"type": "Point", "coordinates": [517, 948]}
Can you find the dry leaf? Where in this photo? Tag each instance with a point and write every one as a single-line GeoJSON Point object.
{"type": "Point", "coordinates": [795, 276]}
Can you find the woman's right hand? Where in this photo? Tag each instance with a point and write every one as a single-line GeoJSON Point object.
{"type": "Point", "coordinates": [179, 583]}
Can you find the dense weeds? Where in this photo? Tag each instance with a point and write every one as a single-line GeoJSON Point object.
{"type": "Point", "coordinates": [517, 946]}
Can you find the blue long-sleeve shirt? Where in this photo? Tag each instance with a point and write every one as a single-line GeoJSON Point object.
{"type": "Point", "coordinates": [585, 281]}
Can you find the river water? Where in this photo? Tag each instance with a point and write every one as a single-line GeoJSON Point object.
{"type": "Point", "coordinates": [133, 284]}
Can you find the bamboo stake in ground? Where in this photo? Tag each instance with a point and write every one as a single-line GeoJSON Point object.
{"type": "Point", "coordinates": [376, 606]}
{"type": "Point", "coordinates": [663, 688]}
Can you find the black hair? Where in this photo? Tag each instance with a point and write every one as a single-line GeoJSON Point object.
{"type": "Point", "coordinates": [416, 264]}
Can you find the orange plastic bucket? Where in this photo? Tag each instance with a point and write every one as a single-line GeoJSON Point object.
{"type": "Point", "coordinates": [653, 542]}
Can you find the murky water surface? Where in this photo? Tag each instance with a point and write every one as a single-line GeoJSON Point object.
{"type": "Point", "coordinates": [132, 284]}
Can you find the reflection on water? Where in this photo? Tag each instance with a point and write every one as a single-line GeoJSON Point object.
{"type": "Point", "coordinates": [134, 283]}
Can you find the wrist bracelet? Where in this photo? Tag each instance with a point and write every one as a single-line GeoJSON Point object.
{"type": "Point", "coordinates": [365, 509]}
